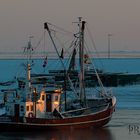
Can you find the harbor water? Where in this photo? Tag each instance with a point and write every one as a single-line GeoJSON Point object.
{"type": "Point", "coordinates": [125, 123]}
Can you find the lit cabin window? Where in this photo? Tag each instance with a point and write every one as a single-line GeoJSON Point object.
{"type": "Point", "coordinates": [43, 97]}
{"type": "Point", "coordinates": [31, 107]}
{"type": "Point", "coordinates": [56, 98]}
{"type": "Point", "coordinates": [22, 108]}
{"type": "Point", "coordinates": [27, 108]}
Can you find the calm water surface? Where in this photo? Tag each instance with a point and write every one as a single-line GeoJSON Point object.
{"type": "Point", "coordinates": [86, 134]}
{"type": "Point", "coordinates": [125, 123]}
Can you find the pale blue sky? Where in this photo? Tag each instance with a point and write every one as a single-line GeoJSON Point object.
{"type": "Point", "coordinates": [21, 18]}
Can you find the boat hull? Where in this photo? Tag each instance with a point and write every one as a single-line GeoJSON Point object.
{"type": "Point", "coordinates": [93, 120]}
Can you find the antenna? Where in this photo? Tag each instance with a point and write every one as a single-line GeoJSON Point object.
{"type": "Point", "coordinates": [109, 44]}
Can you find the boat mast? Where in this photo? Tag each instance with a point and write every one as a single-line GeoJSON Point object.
{"type": "Point", "coordinates": [29, 51]}
{"type": "Point", "coordinates": [65, 71]}
{"type": "Point", "coordinates": [81, 61]}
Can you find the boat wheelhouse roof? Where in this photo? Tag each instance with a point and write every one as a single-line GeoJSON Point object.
{"type": "Point", "coordinates": [53, 91]}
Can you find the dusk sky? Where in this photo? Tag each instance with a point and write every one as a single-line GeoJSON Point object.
{"type": "Point", "coordinates": [21, 18]}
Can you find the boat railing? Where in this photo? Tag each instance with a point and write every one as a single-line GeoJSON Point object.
{"type": "Point", "coordinates": [87, 110]}
{"type": "Point", "coordinates": [5, 119]}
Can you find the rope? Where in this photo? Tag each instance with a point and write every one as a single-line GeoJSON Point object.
{"type": "Point", "coordinates": [60, 28]}
{"type": "Point", "coordinates": [93, 44]}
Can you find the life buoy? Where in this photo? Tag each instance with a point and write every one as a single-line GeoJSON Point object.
{"type": "Point", "coordinates": [30, 115]}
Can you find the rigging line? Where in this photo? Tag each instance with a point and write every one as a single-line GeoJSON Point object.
{"type": "Point", "coordinates": [72, 86]}
{"type": "Point", "coordinates": [60, 28]}
{"type": "Point", "coordinates": [44, 43]}
{"type": "Point", "coordinates": [44, 54]}
{"type": "Point", "coordinates": [42, 37]}
{"type": "Point", "coordinates": [63, 46]}
{"type": "Point", "coordinates": [55, 64]}
{"type": "Point", "coordinates": [73, 43]}
{"type": "Point", "coordinates": [62, 33]}
{"type": "Point", "coordinates": [69, 58]}
{"type": "Point", "coordinates": [53, 42]}
{"type": "Point", "coordinates": [49, 32]}
{"type": "Point", "coordinates": [92, 40]}
{"type": "Point", "coordinates": [69, 54]}
{"type": "Point", "coordinates": [20, 71]}
{"type": "Point", "coordinates": [68, 62]}
{"type": "Point", "coordinates": [99, 80]}
{"type": "Point", "coordinates": [93, 43]}
{"type": "Point", "coordinates": [88, 50]}
{"type": "Point", "coordinates": [98, 77]}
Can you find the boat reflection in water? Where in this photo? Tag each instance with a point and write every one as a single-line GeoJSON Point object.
{"type": "Point", "coordinates": [73, 134]}
{"type": "Point", "coordinates": [81, 134]}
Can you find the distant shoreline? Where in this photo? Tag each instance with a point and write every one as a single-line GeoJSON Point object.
{"type": "Point", "coordinates": [96, 54]}
{"type": "Point", "coordinates": [55, 58]}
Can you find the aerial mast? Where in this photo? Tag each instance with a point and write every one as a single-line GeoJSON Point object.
{"type": "Point", "coordinates": [81, 61]}
{"type": "Point", "coordinates": [29, 51]}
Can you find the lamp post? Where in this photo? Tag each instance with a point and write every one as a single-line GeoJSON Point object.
{"type": "Point", "coordinates": [109, 44]}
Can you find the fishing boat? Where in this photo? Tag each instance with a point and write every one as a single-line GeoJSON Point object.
{"type": "Point", "coordinates": [41, 110]}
